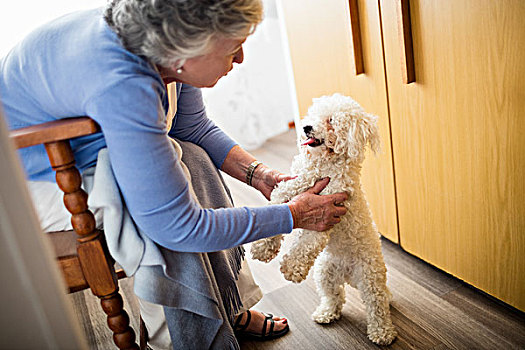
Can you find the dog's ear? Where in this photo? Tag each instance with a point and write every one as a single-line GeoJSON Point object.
{"type": "Point", "coordinates": [363, 131]}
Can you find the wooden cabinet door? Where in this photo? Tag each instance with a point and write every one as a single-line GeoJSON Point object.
{"type": "Point", "coordinates": [458, 135]}
{"type": "Point", "coordinates": [321, 49]}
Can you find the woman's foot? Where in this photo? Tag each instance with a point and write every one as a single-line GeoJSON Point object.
{"type": "Point", "coordinates": [258, 325]}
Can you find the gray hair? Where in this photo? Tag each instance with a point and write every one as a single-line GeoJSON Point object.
{"type": "Point", "coordinates": [167, 32]}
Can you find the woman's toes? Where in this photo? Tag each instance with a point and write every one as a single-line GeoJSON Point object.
{"type": "Point", "coordinates": [256, 323]}
{"type": "Point", "coordinates": [280, 323]}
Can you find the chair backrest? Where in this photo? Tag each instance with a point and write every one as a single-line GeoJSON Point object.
{"type": "Point", "coordinates": [35, 312]}
{"type": "Point", "coordinates": [96, 266]}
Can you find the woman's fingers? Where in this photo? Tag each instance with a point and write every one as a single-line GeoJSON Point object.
{"type": "Point", "coordinates": [283, 177]}
{"type": "Point", "coordinates": [339, 211]}
{"type": "Point", "coordinates": [318, 213]}
{"type": "Point", "coordinates": [319, 186]}
{"type": "Point", "coordinates": [339, 198]}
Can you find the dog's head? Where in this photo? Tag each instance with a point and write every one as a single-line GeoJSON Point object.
{"type": "Point", "coordinates": [338, 125]}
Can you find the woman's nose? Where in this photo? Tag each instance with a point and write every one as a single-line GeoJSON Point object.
{"type": "Point", "coordinates": [239, 56]}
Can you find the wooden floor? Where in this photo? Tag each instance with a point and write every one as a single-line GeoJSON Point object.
{"type": "Point", "coordinates": [430, 309]}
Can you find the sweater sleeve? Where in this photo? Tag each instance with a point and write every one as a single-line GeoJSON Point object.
{"type": "Point", "coordinates": [192, 124]}
{"type": "Point", "coordinates": [153, 184]}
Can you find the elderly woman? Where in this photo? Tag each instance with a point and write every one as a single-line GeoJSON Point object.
{"type": "Point", "coordinates": [113, 65]}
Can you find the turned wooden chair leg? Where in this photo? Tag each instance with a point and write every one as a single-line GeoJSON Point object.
{"type": "Point", "coordinates": [94, 258]}
{"type": "Point", "coordinates": [143, 335]}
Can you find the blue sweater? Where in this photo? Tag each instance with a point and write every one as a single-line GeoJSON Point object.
{"type": "Point", "coordinates": [75, 66]}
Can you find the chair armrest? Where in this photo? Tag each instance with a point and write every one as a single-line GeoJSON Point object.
{"type": "Point", "coordinates": [56, 130]}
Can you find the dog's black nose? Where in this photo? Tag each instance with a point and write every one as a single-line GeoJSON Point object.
{"type": "Point", "coordinates": [307, 129]}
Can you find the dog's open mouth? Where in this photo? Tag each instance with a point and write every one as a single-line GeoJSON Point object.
{"type": "Point", "coordinates": [312, 142]}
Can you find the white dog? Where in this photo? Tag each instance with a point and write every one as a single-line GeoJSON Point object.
{"type": "Point", "coordinates": [336, 133]}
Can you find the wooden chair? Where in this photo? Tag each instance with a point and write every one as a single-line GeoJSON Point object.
{"type": "Point", "coordinates": [82, 254]}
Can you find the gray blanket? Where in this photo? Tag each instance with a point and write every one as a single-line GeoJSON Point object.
{"type": "Point", "coordinates": [198, 290]}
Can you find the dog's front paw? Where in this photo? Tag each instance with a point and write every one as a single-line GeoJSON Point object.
{"type": "Point", "coordinates": [266, 249]}
{"type": "Point", "coordinates": [382, 336]}
{"type": "Point", "coordinates": [324, 314]}
{"type": "Point", "coordinates": [294, 270]}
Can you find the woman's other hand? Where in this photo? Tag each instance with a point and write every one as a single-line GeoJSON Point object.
{"type": "Point", "coordinates": [315, 212]}
{"type": "Point", "coordinates": [265, 179]}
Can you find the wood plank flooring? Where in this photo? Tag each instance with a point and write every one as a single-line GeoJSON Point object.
{"type": "Point", "coordinates": [430, 309]}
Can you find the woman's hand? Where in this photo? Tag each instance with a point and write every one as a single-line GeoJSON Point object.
{"type": "Point", "coordinates": [265, 179]}
{"type": "Point", "coordinates": [318, 213]}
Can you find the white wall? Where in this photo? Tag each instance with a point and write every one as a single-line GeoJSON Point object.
{"type": "Point", "coordinates": [18, 18]}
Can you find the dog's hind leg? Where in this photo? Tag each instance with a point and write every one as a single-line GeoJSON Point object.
{"type": "Point", "coordinates": [301, 257]}
{"type": "Point", "coordinates": [376, 296]}
{"type": "Point", "coordinates": [329, 280]}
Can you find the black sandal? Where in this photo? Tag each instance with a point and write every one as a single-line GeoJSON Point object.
{"type": "Point", "coordinates": [241, 330]}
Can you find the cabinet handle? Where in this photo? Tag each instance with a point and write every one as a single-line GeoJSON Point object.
{"type": "Point", "coordinates": [408, 68]}
{"type": "Point", "coordinates": [356, 37]}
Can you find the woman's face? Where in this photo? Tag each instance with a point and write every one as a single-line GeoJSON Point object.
{"type": "Point", "coordinates": [206, 70]}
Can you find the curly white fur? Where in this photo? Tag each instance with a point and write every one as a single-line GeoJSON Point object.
{"type": "Point", "coordinates": [351, 251]}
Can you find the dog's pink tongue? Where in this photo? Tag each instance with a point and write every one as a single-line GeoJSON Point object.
{"type": "Point", "coordinates": [308, 142]}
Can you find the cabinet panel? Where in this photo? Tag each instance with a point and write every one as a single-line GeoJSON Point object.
{"type": "Point", "coordinates": [320, 43]}
{"type": "Point", "coordinates": [458, 136]}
